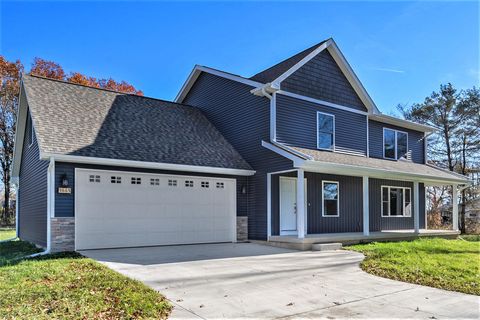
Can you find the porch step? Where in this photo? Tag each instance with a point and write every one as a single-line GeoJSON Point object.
{"type": "Point", "coordinates": [326, 246]}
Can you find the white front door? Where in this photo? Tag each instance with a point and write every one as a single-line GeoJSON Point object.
{"type": "Point", "coordinates": [288, 205]}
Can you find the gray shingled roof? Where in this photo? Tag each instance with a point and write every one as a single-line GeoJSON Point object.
{"type": "Point", "coordinates": [272, 73]}
{"type": "Point", "coordinates": [403, 166]}
{"type": "Point", "coordinates": [76, 120]}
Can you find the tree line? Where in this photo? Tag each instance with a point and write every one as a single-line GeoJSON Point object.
{"type": "Point", "coordinates": [10, 77]}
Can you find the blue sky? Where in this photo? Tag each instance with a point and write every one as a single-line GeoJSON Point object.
{"type": "Point", "coordinates": [401, 51]}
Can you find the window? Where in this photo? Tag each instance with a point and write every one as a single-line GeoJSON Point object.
{"type": "Point", "coordinates": [205, 184]}
{"type": "Point", "coordinates": [396, 202]}
{"type": "Point", "coordinates": [395, 144]}
{"type": "Point", "coordinates": [172, 183]}
{"type": "Point", "coordinates": [330, 199]}
{"type": "Point", "coordinates": [220, 185]}
{"type": "Point", "coordinates": [189, 183]}
{"type": "Point", "coordinates": [325, 131]}
{"type": "Point", "coordinates": [154, 181]}
{"type": "Point", "coordinates": [135, 180]}
{"type": "Point", "coordinates": [94, 178]}
{"type": "Point", "coordinates": [114, 179]}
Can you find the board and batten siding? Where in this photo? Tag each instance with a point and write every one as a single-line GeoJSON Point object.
{"type": "Point", "coordinates": [32, 197]}
{"type": "Point", "coordinates": [65, 203]}
{"type": "Point", "coordinates": [297, 125]}
{"type": "Point", "coordinates": [350, 217]}
{"type": "Point", "coordinates": [379, 223]}
{"type": "Point", "coordinates": [244, 120]}
{"type": "Point", "coordinates": [415, 141]}
{"type": "Point", "coordinates": [321, 78]}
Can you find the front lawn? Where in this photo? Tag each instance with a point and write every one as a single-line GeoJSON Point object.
{"type": "Point", "coordinates": [70, 286]}
{"type": "Point", "coordinates": [446, 264]}
{"type": "Point", "coordinates": [7, 233]}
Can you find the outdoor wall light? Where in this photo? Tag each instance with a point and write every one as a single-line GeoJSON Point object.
{"type": "Point", "coordinates": [64, 180]}
{"type": "Point", "coordinates": [244, 189]}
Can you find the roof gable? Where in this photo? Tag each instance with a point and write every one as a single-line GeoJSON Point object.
{"type": "Point", "coordinates": [321, 78]}
{"type": "Point", "coordinates": [272, 73]}
{"type": "Point", "coordinates": [81, 121]}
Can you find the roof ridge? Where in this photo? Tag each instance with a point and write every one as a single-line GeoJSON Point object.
{"type": "Point", "coordinates": [107, 90]}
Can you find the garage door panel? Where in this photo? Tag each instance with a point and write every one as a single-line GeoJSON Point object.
{"type": "Point", "coordinates": [161, 210]}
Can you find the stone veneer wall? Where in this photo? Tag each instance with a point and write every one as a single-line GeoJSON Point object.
{"type": "Point", "coordinates": [242, 228]}
{"type": "Point", "coordinates": [62, 234]}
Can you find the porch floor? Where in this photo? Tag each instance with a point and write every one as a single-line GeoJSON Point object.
{"type": "Point", "coordinates": [292, 241]}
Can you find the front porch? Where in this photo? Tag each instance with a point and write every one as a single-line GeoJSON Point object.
{"type": "Point", "coordinates": [294, 242]}
{"type": "Point", "coordinates": [308, 207]}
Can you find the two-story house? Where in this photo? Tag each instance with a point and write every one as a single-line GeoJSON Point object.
{"type": "Point", "coordinates": [296, 154]}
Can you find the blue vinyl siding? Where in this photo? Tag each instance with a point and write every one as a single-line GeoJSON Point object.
{"type": "Point", "coordinates": [377, 222]}
{"type": "Point", "coordinates": [321, 78]}
{"type": "Point", "coordinates": [32, 197]}
{"type": "Point", "coordinates": [297, 125]}
{"type": "Point", "coordinates": [415, 141]}
{"type": "Point", "coordinates": [65, 203]}
{"type": "Point", "coordinates": [243, 119]}
{"type": "Point", "coordinates": [350, 217]}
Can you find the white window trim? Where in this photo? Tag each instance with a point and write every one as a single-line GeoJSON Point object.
{"type": "Point", "coordinates": [381, 201]}
{"type": "Point", "coordinates": [333, 133]}
{"type": "Point", "coordinates": [338, 199]}
{"type": "Point", "coordinates": [396, 142]}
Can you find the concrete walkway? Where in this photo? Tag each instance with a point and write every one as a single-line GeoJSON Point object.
{"type": "Point", "coordinates": [255, 281]}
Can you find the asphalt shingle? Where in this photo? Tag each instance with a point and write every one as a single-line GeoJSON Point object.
{"type": "Point", "coordinates": [77, 120]}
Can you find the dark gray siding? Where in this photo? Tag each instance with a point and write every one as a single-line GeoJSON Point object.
{"type": "Point", "coordinates": [297, 125]}
{"type": "Point", "coordinates": [243, 119]}
{"type": "Point", "coordinates": [32, 210]}
{"type": "Point", "coordinates": [321, 78]}
{"type": "Point", "coordinates": [377, 222]}
{"type": "Point", "coordinates": [350, 198]}
{"type": "Point", "coordinates": [65, 203]}
{"type": "Point", "coordinates": [415, 141]}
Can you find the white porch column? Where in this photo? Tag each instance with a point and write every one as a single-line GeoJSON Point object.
{"type": "Point", "coordinates": [300, 204]}
{"type": "Point", "coordinates": [416, 207]}
{"type": "Point", "coordinates": [454, 207]}
{"type": "Point", "coordinates": [366, 208]}
{"type": "Point", "coordinates": [269, 205]}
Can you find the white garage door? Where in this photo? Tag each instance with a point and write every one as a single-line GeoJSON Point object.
{"type": "Point", "coordinates": [118, 209]}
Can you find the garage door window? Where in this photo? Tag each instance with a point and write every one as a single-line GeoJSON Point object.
{"type": "Point", "coordinates": [172, 183]}
{"type": "Point", "coordinates": [94, 178]}
{"type": "Point", "coordinates": [136, 180]}
{"type": "Point", "coordinates": [115, 179]}
{"type": "Point", "coordinates": [189, 183]}
{"type": "Point", "coordinates": [220, 185]}
{"type": "Point", "coordinates": [154, 182]}
{"type": "Point", "coordinates": [205, 184]}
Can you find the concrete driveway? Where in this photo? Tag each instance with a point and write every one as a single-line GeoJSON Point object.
{"type": "Point", "coordinates": [256, 281]}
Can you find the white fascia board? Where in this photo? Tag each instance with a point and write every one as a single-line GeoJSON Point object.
{"type": "Point", "coordinates": [401, 123]}
{"type": "Point", "coordinates": [351, 170]}
{"type": "Point", "coordinates": [298, 65]}
{"type": "Point", "coordinates": [146, 165]}
{"type": "Point", "coordinates": [20, 132]}
{"type": "Point", "coordinates": [197, 70]}
{"type": "Point", "coordinates": [352, 77]}
{"type": "Point", "coordinates": [297, 158]}
{"type": "Point", "coordinates": [320, 102]}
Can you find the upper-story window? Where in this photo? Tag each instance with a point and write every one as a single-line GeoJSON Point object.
{"type": "Point", "coordinates": [395, 144]}
{"type": "Point", "coordinates": [325, 131]}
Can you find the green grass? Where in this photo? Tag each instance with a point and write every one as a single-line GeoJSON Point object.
{"type": "Point", "coordinates": [6, 233]}
{"type": "Point", "coordinates": [446, 264]}
{"type": "Point", "coordinates": [70, 286]}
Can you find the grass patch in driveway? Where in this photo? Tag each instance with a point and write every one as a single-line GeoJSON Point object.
{"type": "Point", "coordinates": [445, 264]}
{"type": "Point", "coordinates": [70, 286]}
